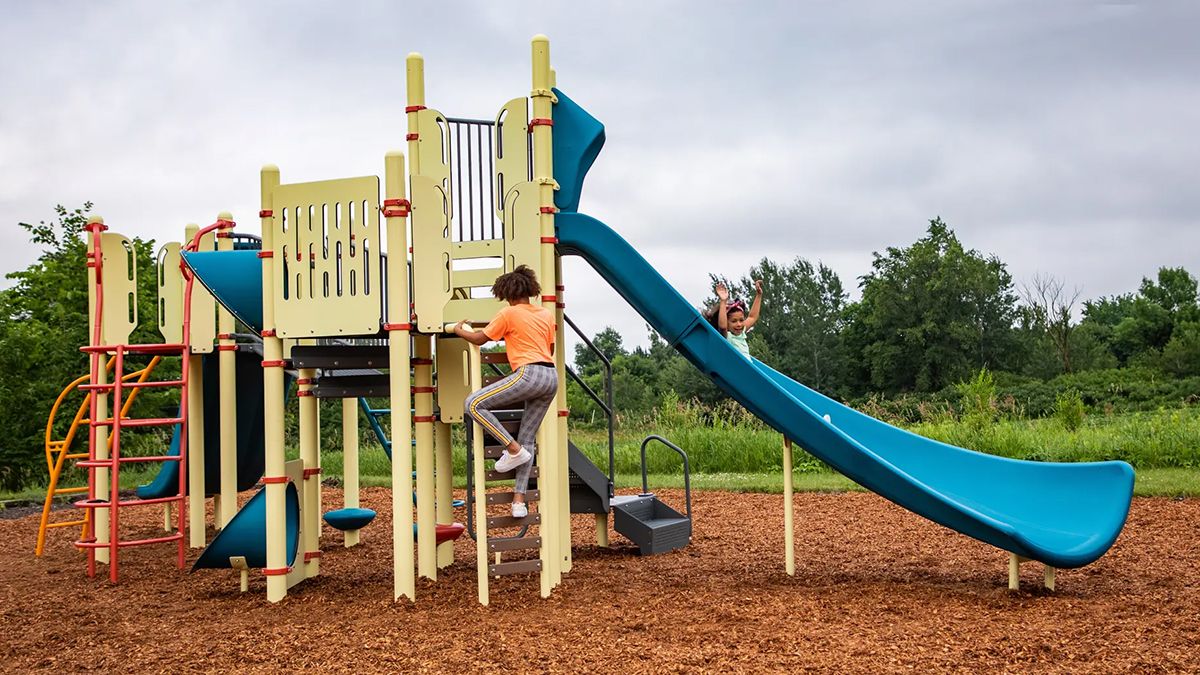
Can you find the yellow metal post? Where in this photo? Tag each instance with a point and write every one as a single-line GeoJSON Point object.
{"type": "Point", "coordinates": [310, 455]}
{"type": "Point", "coordinates": [350, 463]}
{"type": "Point", "coordinates": [227, 363]}
{"type": "Point", "coordinates": [789, 544]}
{"type": "Point", "coordinates": [552, 507]}
{"type": "Point", "coordinates": [444, 474]}
{"type": "Point", "coordinates": [426, 515]}
{"type": "Point", "coordinates": [564, 488]}
{"type": "Point", "coordinates": [400, 386]}
{"type": "Point", "coordinates": [195, 430]}
{"type": "Point", "coordinates": [481, 553]}
{"type": "Point", "coordinates": [272, 399]}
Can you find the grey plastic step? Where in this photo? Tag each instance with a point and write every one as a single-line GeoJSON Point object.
{"type": "Point", "coordinates": [589, 487]}
{"type": "Point", "coordinates": [650, 524]}
{"type": "Point", "coordinates": [518, 567]}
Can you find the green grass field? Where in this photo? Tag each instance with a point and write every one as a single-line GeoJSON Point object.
{"type": "Point", "coordinates": [736, 452]}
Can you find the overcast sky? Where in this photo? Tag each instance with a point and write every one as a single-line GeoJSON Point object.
{"type": "Point", "coordinates": [1059, 136]}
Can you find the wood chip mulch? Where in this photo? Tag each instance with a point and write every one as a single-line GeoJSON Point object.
{"type": "Point", "coordinates": [876, 589]}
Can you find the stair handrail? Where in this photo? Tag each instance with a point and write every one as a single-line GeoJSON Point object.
{"type": "Point", "coordinates": [607, 405]}
{"type": "Point", "coordinates": [687, 471]}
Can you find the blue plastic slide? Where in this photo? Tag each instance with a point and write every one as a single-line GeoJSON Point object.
{"type": "Point", "coordinates": [1065, 515]}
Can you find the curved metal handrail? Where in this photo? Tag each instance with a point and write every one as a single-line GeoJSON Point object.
{"type": "Point", "coordinates": [687, 471]}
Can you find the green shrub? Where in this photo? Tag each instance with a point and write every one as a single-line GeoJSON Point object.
{"type": "Point", "coordinates": [1069, 409]}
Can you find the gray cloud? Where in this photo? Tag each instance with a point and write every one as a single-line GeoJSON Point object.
{"type": "Point", "coordinates": [1058, 136]}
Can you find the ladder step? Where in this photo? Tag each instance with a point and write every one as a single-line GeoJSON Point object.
{"type": "Point", "coordinates": [507, 497]}
{"type": "Point", "coordinates": [508, 475]}
{"type": "Point", "coordinates": [132, 385]}
{"type": "Point", "coordinates": [66, 524]}
{"type": "Point", "coordinates": [142, 422]}
{"type": "Point", "coordinates": [518, 567]}
{"type": "Point", "coordinates": [497, 522]}
{"type": "Point", "coordinates": [501, 544]}
{"type": "Point", "coordinates": [70, 490]}
{"type": "Point", "coordinates": [493, 451]}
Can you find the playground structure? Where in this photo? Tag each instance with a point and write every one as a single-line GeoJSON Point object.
{"type": "Point", "coordinates": [337, 297]}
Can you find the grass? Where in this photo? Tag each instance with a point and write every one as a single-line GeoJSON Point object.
{"type": "Point", "coordinates": [730, 450]}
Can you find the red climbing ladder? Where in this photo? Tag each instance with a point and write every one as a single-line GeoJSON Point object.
{"type": "Point", "coordinates": [100, 457]}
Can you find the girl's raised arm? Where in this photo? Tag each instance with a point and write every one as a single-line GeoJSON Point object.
{"type": "Point", "coordinates": [752, 318]}
{"type": "Point", "coordinates": [722, 308]}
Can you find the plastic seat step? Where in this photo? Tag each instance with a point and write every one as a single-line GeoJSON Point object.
{"type": "Point", "coordinates": [507, 497]}
{"type": "Point", "coordinates": [517, 567]}
{"type": "Point", "coordinates": [501, 544]}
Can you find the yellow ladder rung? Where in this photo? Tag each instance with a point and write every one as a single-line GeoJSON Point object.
{"type": "Point", "coordinates": [66, 524]}
{"type": "Point", "coordinates": [78, 455]}
{"type": "Point", "coordinates": [70, 490]}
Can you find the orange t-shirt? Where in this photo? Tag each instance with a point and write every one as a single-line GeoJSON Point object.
{"type": "Point", "coordinates": [527, 331]}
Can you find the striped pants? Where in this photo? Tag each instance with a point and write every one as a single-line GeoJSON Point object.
{"type": "Point", "coordinates": [535, 386]}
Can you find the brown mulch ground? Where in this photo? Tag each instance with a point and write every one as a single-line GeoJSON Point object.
{"type": "Point", "coordinates": [876, 589]}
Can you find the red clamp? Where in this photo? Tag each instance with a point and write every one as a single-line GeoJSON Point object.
{"type": "Point", "coordinates": [311, 555]}
{"type": "Point", "coordinates": [396, 208]}
{"type": "Point", "coordinates": [547, 209]}
{"type": "Point", "coordinates": [540, 122]}
{"type": "Point", "coordinates": [227, 348]}
{"type": "Point", "coordinates": [266, 213]}
{"type": "Point", "coordinates": [422, 362]}
{"type": "Point", "coordinates": [276, 571]}
{"type": "Point", "coordinates": [564, 413]}
{"type": "Point", "coordinates": [424, 390]}
{"type": "Point", "coordinates": [266, 254]}
{"type": "Point", "coordinates": [223, 224]}
{"type": "Point", "coordinates": [224, 336]}
{"type": "Point", "coordinates": [560, 287]}
{"type": "Point", "coordinates": [397, 326]}
{"type": "Point", "coordinates": [304, 393]}
{"type": "Point", "coordinates": [95, 227]}
{"type": "Point", "coordinates": [304, 380]}
{"type": "Point", "coordinates": [268, 333]}
{"type": "Point", "coordinates": [560, 305]}
{"type": "Point", "coordinates": [549, 240]}
{"type": "Point", "coordinates": [279, 363]}
{"type": "Point", "coordinates": [274, 480]}
{"type": "Point", "coordinates": [224, 235]}
{"type": "Point", "coordinates": [412, 137]}
{"type": "Point", "coordinates": [549, 298]}
{"type": "Point", "coordinates": [413, 108]}
{"type": "Point", "coordinates": [309, 473]}
{"type": "Point", "coordinates": [423, 419]}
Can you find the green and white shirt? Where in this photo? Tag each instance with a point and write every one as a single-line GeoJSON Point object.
{"type": "Point", "coordinates": [739, 342]}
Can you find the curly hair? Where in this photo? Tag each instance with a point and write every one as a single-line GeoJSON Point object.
{"type": "Point", "coordinates": [519, 284]}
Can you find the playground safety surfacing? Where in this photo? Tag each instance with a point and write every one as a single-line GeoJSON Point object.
{"type": "Point", "coordinates": [876, 589]}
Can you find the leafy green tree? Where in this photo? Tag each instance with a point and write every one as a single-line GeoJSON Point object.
{"type": "Point", "coordinates": [43, 323]}
{"type": "Point", "coordinates": [932, 314]}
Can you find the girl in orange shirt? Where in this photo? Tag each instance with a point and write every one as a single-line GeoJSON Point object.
{"type": "Point", "coordinates": [528, 334]}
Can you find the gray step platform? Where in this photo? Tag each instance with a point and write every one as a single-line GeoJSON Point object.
{"type": "Point", "coordinates": [650, 524]}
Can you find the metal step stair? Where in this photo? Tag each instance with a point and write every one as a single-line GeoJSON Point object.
{"type": "Point", "coordinates": [650, 524]}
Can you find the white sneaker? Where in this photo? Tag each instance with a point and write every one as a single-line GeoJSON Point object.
{"type": "Point", "coordinates": [519, 510]}
{"type": "Point", "coordinates": [510, 461]}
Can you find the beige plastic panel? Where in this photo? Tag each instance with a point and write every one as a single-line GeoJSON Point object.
{"type": "Point", "coordinates": [170, 294]}
{"type": "Point", "coordinates": [452, 384]}
{"type": "Point", "coordinates": [431, 252]}
{"type": "Point", "coordinates": [522, 230]}
{"type": "Point", "coordinates": [203, 329]}
{"type": "Point", "coordinates": [476, 310]}
{"type": "Point", "coordinates": [433, 146]}
{"type": "Point", "coordinates": [483, 248]}
{"type": "Point", "coordinates": [477, 278]}
{"type": "Point", "coordinates": [120, 290]}
{"type": "Point", "coordinates": [327, 258]}
{"type": "Point", "coordinates": [511, 145]}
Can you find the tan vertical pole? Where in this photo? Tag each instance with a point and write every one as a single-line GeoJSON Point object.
{"type": "Point", "coordinates": [195, 429]}
{"type": "Point", "coordinates": [310, 492]}
{"type": "Point", "coordinates": [553, 507]}
{"type": "Point", "coordinates": [272, 399]}
{"type": "Point", "coordinates": [422, 373]}
{"type": "Point", "coordinates": [350, 463]}
{"type": "Point", "coordinates": [444, 473]}
{"type": "Point", "coordinates": [403, 581]}
{"type": "Point", "coordinates": [1014, 572]}
{"type": "Point", "coordinates": [227, 363]}
{"type": "Point", "coordinates": [475, 376]}
{"type": "Point", "coordinates": [100, 526]}
{"type": "Point", "coordinates": [789, 544]}
{"type": "Point", "coordinates": [564, 488]}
